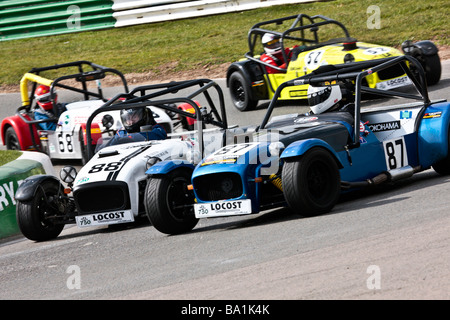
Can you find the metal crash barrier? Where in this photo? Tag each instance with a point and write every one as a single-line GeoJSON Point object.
{"type": "Point", "coordinates": [35, 18]}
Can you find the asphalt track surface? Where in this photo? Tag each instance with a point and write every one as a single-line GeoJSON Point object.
{"type": "Point", "coordinates": [389, 243]}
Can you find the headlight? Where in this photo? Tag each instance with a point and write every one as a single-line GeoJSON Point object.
{"type": "Point", "coordinates": [275, 148]}
{"type": "Point", "coordinates": [349, 58]}
{"type": "Point", "coordinates": [68, 174]}
{"type": "Point", "coordinates": [107, 121]}
{"type": "Point", "coordinates": [226, 185]}
{"type": "Point", "coordinates": [151, 161]}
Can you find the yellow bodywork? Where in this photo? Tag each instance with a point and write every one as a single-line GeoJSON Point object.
{"type": "Point", "coordinates": [308, 61]}
{"type": "Point", "coordinates": [24, 85]}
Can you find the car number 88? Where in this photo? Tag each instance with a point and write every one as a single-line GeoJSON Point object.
{"type": "Point", "coordinates": [112, 166]}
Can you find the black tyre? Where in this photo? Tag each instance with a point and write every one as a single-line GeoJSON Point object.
{"type": "Point", "coordinates": [311, 183]}
{"type": "Point", "coordinates": [32, 216]}
{"type": "Point", "coordinates": [11, 140]}
{"type": "Point", "coordinates": [443, 167]}
{"type": "Point", "coordinates": [169, 204]}
{"type": "Point", "coordinates": [433, 69]}
{"type": "Point", "coordinates": [240, 92]}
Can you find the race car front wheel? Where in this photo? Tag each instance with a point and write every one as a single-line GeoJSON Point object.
{"type": "Point", "coordinates": [11, 139]}
{"type": "Point", "coordinates": [240, 92]}
{"type": "Point", "coordinates": [34, 217]}
{"type": "Point", "coordinates": [311, 183]}
{"type": "Point", "coordinates": [169, 204]}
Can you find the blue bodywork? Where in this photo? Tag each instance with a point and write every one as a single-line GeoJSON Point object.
{"type": "Point", "coordinates": [411, 137]}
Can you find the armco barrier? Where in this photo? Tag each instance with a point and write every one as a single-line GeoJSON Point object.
{"type": "Point", "coordinates": [183, 9]}
{"type": "Point", "coordinates": [11, 176]}
{"type": "Point", "coordinates": [32, 18]}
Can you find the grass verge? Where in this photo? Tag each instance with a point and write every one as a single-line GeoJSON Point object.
{"type": "Point", "coordinates": [191, 44]}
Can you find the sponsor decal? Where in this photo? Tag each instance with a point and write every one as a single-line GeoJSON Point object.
{"type": "Point", "coordinates": [307, 119]}
{"type": "Point", "coordinates": [430, 115]}
{"type": "Point", "coordinates": [362, 130]}
{"type": "Point", "coordinates": [394, 83]}
{"type": "Point", "coordinates": [82, 180]}
{"type": "Point", "coordinates": [223, 208]}
{"type": "Point", "coordinates": [385, 126]}
{"type": "Point", "coordinates": [297, 93]}
{"type": "Point", "coordinates": [405, 114]}
{"type": "Point", "coordinates": [105, 218]}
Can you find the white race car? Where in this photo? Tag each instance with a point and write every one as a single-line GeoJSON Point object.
{"type": "Point", "coordinates": [80, 83]}
{"type": "Point", "coordinates": [113, 186]}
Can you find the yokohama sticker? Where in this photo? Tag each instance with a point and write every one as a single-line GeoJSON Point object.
{"type": "Point", "coordinates": [385, 126]}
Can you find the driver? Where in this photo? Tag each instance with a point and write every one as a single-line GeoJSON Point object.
{"type": "Point", "coordinates": [139, 125]}
{"type": "Point", "coordinates": [44, 107]}
{"type": "Point", "coordinates": [329, 98]}
{"type": "Point", "coordinates": [273, 54]}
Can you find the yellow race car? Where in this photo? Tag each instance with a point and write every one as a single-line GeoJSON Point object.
{"type": "Point", "coordinates": [287, 48]}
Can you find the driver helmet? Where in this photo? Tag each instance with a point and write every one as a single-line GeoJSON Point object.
{"type": "Point", "coordinates": [271, 43]}
{"type": "Point", "coordinates": [43, 99]}
{"type": "Point", "coordinates": [134, 119]}
{"type": "Point", "coordinates": [321, 99]}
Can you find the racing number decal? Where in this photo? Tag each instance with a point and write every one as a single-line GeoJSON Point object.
{"type": "Point", "coordinates": [395, 153]}
{"type": "Point", "coordinates": [65, 142]}
{"type": "Point", "coordinates": [234, 149]}
{"type": "Point", "coordinates": [313, 58]}
{"type": "Point", "coordinates": [112, 166]}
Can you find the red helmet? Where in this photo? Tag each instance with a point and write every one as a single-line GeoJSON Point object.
{"type": "Point", "coordinates": [43, 99]}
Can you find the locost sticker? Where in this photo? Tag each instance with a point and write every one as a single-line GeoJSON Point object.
{"type": "Point", "coordinates": [223, 208]}
{"type": "Point", "coordinates": [104, 218]}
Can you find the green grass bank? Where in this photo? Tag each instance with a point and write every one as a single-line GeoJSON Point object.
{"type": "Point", "coordinates": [191, 44]}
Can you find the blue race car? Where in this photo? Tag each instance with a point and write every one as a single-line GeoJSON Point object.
{"type": "Point", "coordinates": [306, 161]}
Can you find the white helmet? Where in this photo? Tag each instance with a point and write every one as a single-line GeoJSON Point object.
{"type": "Point", "coordinates": [271, 43]}
{"type": "Point", "coordinates": [321, 99]}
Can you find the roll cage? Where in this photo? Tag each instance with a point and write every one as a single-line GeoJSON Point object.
{"type": "Point", "coordinates": [354, 73]}
{"type": "Point", "coordinates": [87, 71]}
{"type": "Point", "coordinates": [153, 95]}
{"type": "Point", "coordinates": [299, 24]}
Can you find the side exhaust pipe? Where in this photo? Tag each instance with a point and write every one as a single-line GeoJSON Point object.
{"type": "Point", "coordinates": [388, 176]}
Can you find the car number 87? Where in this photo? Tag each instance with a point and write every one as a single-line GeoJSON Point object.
{"type": "Point", "coordinates": [395, 153]}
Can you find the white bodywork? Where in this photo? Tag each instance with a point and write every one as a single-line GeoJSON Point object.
{"type": "Point", "coordinates": [128, 163]}
{"type": "Point", "coordinates": [65, 142]}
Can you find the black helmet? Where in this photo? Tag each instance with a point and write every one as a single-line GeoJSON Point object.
{"type": "Point", "coordinates": [134, 119]}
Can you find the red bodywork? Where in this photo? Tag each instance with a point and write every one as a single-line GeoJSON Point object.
{"type": "Point", "coordinates": [188, 108]}
{"type": "Point", "coordinates": [22, 130]}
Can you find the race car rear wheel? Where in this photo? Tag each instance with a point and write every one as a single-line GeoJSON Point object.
{"type": "Point", "coordinates": [11, 139]}
{"type": "Point", "coordinates": [443, 167]}
{"type": "Point", "coordinates": [33, 216]}
{"type": "Point", "coordinates": [311, 183]}
{"type": "Point", "coordinates": [433, 69]}
{"type": "Point", "coordinates": [169, 204]}
{"type": "Point", "coordinates": [240, 92]}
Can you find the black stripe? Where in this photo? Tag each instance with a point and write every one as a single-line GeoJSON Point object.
{"type": "Point", "coordinates": [112, 176]}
